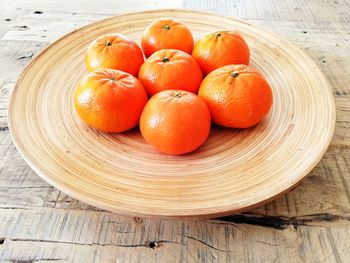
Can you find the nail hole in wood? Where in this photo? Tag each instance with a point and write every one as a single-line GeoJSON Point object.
{"type": "Point", "coordinates": [138, 219]}
{"type": "Point", "coordinates": [38, 12]}
{"type": "Point", "coordinates": [153, 244]}
{"type": "Point", "coordinates": [304, 32]}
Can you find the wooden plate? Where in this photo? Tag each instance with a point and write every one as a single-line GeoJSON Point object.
{"type": "Point", "coordinates": [234, 170]}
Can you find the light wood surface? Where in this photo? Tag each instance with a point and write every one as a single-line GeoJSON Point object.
{"type": "Point", "coordinates": [233, 171]}
{"type": "Point", "coordinates": [310, 224]}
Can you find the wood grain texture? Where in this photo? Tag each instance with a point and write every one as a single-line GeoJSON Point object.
{"type": "Point", "coordinates": [322, 196]}
{"type": "Point", "coordinates": [68, 235]}
{"type": "Point", "coordinates": [233, 171]}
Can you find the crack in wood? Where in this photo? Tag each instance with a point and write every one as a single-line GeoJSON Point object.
{"type": "Point", "coordinates": [281, 223]}
{"type": "Point", "coordinates": [26, 187]}
{"type": "Point", "coordinates": [343, 93]}
{"type": "Point", "coordinates": [204, 243]}
{"type": "Point", "coordinates": [35, 260]}
{"type": "Point", "coordinates": [149, 244]}
{"type": "Point", "coordinates": [4, 129]}
{"type": "Point", "coordinates": [21, 27]}
{"type": "Point", "coordinates": [28, 56]}
{"type": "Point", "coordinates": [58, 196]}
{"type": "Point", "coordinates": [14, 208]}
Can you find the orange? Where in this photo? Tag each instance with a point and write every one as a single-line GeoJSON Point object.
{"type": "Point", "coordinates": [219, 49]}
{"type": "Point", "coordinates": [114, 51]}
{"type": "Point", "coordinates": [170, 69]}
{"type": "Point", "coordinates": [238, 96]}
{"type": "Point", "coordinates": [175, 122]}
{"type": "Point", "coordinates": [110, 100]}
{"type": "Point", "coordinates": [166, 33]}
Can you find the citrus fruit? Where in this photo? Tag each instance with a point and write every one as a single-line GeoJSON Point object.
{"type": "Point", "coordinates": [175, 122]}
{"type": "Point", "coordinates": [110, 100]}
{"type": "Point", "coordinates": [238, 96]}
{"type": "Point", "coordinates": [170, 69]}
{"type": "Point", "coordinates": [114, 51]}
{"type": "Point", "coordinates": [220, 48]}
{"type": "Point", "coordinates": [166, 33]}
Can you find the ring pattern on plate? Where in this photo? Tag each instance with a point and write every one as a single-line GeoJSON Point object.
{"type": "Point", "coordinates": [233, 171]}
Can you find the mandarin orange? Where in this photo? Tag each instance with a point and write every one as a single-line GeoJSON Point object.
{"type": "Point", "coordinates": [170, 69]}
{"type": "Point", "coordinates": [220, 48]}
{"type": "Point", "coordinates": [175, 122]}
{"type": "Point", "coordinates": [238, 96]}
{"type": "Point", "coordinates": [166, 33]}
{"type": "Point", "coordinates": [114, 51]}
{"type": "Point", "coordinates": [110, 100]}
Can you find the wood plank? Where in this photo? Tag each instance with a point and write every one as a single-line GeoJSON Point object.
{"type": "Point", "coordinates": [301, 10]}
{"type": "Point", "coordinates": [66, 234]}
{"type": "Point", "coordinates": [88, 7]}
{"type": "Point", "coordinates": [311, 223]}
{"type": "Point", "coordinates": [15, 56]}
{"type": "Point", "coordinates": [7, 16]}
{"type": "Point", "coordinates": [48, 26]}
{"type": "Point", "coordinates": [6, 87]}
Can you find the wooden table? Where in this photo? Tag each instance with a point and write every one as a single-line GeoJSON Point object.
{"type": "Point", "coordinates": [38, 223]}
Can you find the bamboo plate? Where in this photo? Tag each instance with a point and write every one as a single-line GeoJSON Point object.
{"type": "Point", "coordinates": [233, 171]}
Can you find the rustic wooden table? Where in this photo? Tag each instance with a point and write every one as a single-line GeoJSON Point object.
{"type": "Point", "coordinates": [38, 223]}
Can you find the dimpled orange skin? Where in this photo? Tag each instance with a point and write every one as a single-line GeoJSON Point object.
{"type": "Point", "coordinates": [175, 122]}
{"type": "Point", "coordinates": [110, 100]}
{"type": "Point", "coordinates": [238, 96]}
{"type": "Point", "coordinates": [170, 69]}
{"type": "Point", "coordinates": [220, 48]}
{"type": "Point", "coordinates": [166, 33]}
{"type": "Point", "coordinates": [114, 51]}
